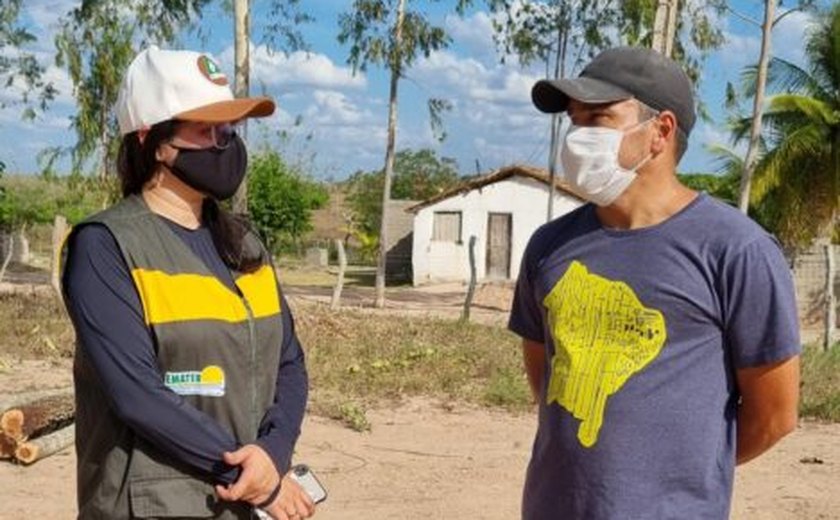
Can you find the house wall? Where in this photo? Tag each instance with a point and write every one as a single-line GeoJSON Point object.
{"type": "Point", "coordinates": [398, 259]}
{"type": "Point", "coordinates": [523, 197]}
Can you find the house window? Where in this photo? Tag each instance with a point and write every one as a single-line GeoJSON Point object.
{"type": "Point", "coordinates": [447, 226]}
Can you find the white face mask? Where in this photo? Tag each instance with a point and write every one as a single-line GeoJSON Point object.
{"type": "Point", "coordinates": [590, 163]}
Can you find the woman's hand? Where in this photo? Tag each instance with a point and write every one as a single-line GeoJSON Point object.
{"type": "Point", "coordinates": [292, 503]}
{"type": "Point", "coordinates": [257, 480]}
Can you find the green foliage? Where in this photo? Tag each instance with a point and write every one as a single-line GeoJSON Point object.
{"type": "Point", "coordinates": [548, 32]}
{"type": "Point", "coordinates": [418, 175]}
{"type": "Point", "coordinates": [96, 42]}
{"type": "Point", "coordinates": [281, 200]}
{"type": "Point", "coordinates": [369, 27]}
{"type": "Point", "coordinates": [17, 66]}
{"type": "Point", "coordinates": [723, 187]}
{"type": "Point", "coordinates": [283, 29]}
{"type": "Point", "coordinates": [564, 33]}
{"type": "Point", "coordinates": [797, 176]}
{"type": "Point", "coordinates": [25, 201]}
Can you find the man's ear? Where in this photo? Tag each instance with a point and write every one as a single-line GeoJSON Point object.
{"type": "Point", "coordinates": [666, 130]}
{"type": "Point", "coordinates": [141, 135]}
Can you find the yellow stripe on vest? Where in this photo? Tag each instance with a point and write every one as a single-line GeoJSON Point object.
{"type": "Point", "coordinates": [169, 298]}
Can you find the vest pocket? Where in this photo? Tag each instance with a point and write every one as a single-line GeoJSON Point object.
{"type": "Point", "coordinates": [172, 498]}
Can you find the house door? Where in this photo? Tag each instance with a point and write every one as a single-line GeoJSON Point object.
{"type": "Point", "coordinates": [498, 245]}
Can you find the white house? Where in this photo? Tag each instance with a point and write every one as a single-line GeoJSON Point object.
{"type": "Point", "coordinates": [501, 209]}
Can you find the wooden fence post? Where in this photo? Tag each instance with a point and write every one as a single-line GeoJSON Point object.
{"type": "Point", "coordinates": [342, 266]}
{"type": "Point", "coordinates": [471, 291]}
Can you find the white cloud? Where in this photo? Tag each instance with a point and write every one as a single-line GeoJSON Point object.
{"type": "Point", "coordinates": [474, 33]}
{"type": "Point", "coordinates": [790, 35]}
{"type": "Point", "coordinates": [331, 108]}
{"type": "Point", "coordinates": [298, 69]}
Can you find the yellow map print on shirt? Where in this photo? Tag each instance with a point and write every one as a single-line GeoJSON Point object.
{"type": "Point", "coordinates": [602, 335]}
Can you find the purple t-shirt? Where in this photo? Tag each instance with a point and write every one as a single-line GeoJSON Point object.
{"type": "Point", "coordinates": [643, 330]}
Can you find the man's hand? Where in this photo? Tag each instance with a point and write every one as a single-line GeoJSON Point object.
{"type": "Point", "coordinates": [257, 480]}
{"type": "Point", "coordinates": [293, 503]}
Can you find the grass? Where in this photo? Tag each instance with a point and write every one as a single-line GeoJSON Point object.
{"type": "Point", "coordinates": [821, 384]}
{"type": "Point", "coordinates": [358, 360]}
{"type": "Point", "coordinates": [34, 326]}
{"type": "Point", "coordinates": [294, 271]}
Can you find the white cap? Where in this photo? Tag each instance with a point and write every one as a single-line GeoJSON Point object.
{"type": "Point", "coordinates": [189, 86]}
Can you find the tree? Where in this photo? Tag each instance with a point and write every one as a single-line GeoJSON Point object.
{"type": "Point", "coordinates": [385, 32]}
{"type": "Point", "coordinates": [800, 167]}
{"type": "Point", "coordinates": [17, 66]}
{"type": "Point", "coordinates": [242, 72]}
{"type": "Point", "coordinates": [282, 33]}
{"type": "Point", "coordinates": [418, 175]}
{"type": "Point", "coordinates": [770, 21]}
{"type": "Point", "coordinates": [96, 43]}
{"type": "Point", "coordinates": [554, 34]}
{"type": "Point", "coordinates": [560, 34]}
{"type": "Point", "coordinates": [281, 200]}
{"type": "Point", "coordinates": [665, 26]}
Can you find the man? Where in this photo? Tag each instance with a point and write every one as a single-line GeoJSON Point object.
{"type": "Point", "coordinates": [659, 325]}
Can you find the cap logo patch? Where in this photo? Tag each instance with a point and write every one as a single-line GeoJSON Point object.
{"type": "Point", "coordinates": [211, 71]}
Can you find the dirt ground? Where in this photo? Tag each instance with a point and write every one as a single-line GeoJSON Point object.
{"type": "Point", "coordinates": [427, 459]}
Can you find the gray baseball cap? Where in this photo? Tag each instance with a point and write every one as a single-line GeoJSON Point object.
{"type": "Point", "coordinates": [624, 73]}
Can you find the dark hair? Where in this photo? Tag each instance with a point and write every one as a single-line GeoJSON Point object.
{"type": "Point", "coordinates": [137, 163]}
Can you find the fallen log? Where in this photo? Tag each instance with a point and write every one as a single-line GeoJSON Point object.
{"type": "Point", "coordinates": [11, 424]}
{"type": "Point", "coordinates": [9, 401]}
{"type": "Point", "coordinates": [7, 446]}
{"type": "Point", "coordinates": [39, 417]}
{"type": "Point", "coordinates": [42, 447]}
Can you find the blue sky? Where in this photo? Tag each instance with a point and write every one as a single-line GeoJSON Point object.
{"type": "Point", "coordinates": [343, 116]}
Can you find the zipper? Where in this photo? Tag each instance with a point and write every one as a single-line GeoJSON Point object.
{"type": "Point", "coordinates": [252, 340]}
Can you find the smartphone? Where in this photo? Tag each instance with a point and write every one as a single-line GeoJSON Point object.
{"type": "Point", "coordinates": [309, 482]}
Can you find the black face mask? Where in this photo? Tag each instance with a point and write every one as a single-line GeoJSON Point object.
{"type": "Point", "coordinates": [211, 170]}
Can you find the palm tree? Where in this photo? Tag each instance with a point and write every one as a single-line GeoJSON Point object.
{"type": "Point", "coordinates": [799, 167]}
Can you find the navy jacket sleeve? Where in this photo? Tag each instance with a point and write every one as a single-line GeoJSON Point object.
{"type": "Point", "coordinates": [280, 427]}
{"type": "Point", "coordinates": [108, 317]}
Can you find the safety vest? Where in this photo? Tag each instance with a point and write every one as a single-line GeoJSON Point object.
{"type": "Point", "coordinates": [218, 348]}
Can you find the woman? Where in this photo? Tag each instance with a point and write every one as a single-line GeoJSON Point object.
{"type": "Point", "coordinates": [190, 381]}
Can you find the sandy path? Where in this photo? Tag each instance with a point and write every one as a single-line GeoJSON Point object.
{"type": "Point", "coordinates": [425, 460]}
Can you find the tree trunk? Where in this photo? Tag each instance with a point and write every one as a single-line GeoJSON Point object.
{"type": "Point", "coordinates": [758, 107]}
{"type": "Point", "coordinates": [15, 400]}
{"type": "Point", "coordinates": [660, 26]}
{"type": "Point", "coordinates": [37, 449]}
{"type": "Point", "coordinates": [103, 145]}
{"type": "Point", "coordinates": [38, 417]}
{"type": "Point", "coordinates": [671, 28]}
{"type": "Point", "coordinates": [342, 266]}
{"type": "Point", "coordinates": [241, 82]}
{"type": "Point", "coordinates": [396, 70]}
{"type": "Point", "coordinates": [10, 243]}
{"type": "Point", "coordinates": [830, 301]}
{"type": "Point", "coordinates": [20, 245]}
{"type": "Point", "coordinates": [59, 234]}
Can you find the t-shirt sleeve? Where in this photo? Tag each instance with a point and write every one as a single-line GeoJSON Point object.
{"type": "Point", "coordinates": [108, 317]}
{"type": "Point", "coordinates": [761, 321]}
{"type": "Point", "coordinates": [527, 314]}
